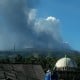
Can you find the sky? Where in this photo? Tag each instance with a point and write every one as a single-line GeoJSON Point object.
{"type": "Point", "coordinates": [50, 24]}
{"type": "Point", "coordinates": [68, 12]}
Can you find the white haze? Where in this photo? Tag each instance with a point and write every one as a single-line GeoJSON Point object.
{"type": "Point", "coordinates": [19, 26]}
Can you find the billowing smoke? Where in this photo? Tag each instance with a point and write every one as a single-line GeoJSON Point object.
{"type": "Point", "coordinates": [48, 32]}
{"type": "Point", "coordinates": [19, 27]}
{"type": "Point", "coordinates": [50, 26]}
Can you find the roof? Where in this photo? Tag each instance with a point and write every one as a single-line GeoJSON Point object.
{"type": "Point", "coordinates": [21, 72]}
{"type": "Point", "coordinates": [65, 62]}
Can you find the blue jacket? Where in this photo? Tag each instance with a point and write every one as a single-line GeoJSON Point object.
{"type": "Point", "coordinates": [48, 76]}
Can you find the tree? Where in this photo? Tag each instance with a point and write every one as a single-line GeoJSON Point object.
{"type": "Point", "coordinates": [19, 59]}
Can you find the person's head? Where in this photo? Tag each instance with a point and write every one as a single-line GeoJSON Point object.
{"type": "Point", "coordinates": [48, 71]}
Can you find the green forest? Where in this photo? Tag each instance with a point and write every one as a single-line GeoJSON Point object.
{"type": "Point", "coordinates": [47, 62]}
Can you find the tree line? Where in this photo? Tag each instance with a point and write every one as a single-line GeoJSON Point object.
{"type": "Point", "coordinates": [46, 61]}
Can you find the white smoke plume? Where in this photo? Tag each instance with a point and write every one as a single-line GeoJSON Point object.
{"type": "Point", "coordinates": [50, 26]}
{"type": "Point", "coordinates": [20, 27]}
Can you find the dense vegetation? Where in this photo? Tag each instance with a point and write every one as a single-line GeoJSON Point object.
{"type": "Point", "coordinates": [46, 61]}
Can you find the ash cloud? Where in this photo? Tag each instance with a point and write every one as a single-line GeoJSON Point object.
{"type": "Point", "coordinates": [19, 27]}
{"type": "Point", "coordinates": [14, 28]}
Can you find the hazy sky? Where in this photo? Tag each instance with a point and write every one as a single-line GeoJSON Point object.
{"type": "Point", "coordinates": [39, 23]}
{"type": "Point", "coordinates": [68, 12]}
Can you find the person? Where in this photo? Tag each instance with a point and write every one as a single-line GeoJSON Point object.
{"type": "Point", "coordinates": [54, 76]}
{"type": "Point", "coordinates": [48, 75]}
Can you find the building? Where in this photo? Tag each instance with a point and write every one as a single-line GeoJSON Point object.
{"type": "Point", "coordinates": [21, 72]}
{"type": "Point", "coordinates": [67, 69]}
